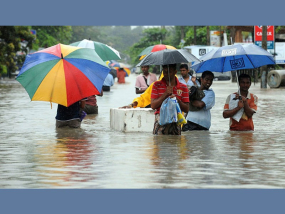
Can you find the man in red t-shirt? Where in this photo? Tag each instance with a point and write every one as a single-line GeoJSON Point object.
{"type": "Point", "coordinates": [168, 86]}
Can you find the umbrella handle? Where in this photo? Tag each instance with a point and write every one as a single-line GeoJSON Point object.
{"type": "Point", "coordinates": [168, 75]}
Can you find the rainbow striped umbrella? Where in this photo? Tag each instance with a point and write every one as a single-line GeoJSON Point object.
{"type": "Point", "coordinates": [63, 74]}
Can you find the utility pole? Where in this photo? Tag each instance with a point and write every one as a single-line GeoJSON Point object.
{"type": "Point", "coordinates": [182, 32]}
{"type": "Point", "coordinates": [221, 36]}
{"type": "Point", "coordinates": [264, 68]}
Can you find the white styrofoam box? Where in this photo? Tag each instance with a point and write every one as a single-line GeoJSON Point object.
{"type": "Point", "coordinates": [132, 120]}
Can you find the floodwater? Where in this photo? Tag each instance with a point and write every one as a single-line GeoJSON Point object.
{"type": "Point", "coordinates": [34, 154]}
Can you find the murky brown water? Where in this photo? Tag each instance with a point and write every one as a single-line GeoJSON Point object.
{"type": "Point", "coordinates": [33, 154]}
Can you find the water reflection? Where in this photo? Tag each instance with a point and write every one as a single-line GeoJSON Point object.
{"type": "Point", "coordinates": [203, 169]}
{"type": "Point", "coordinates": [246, 143]}
{"type": "Point", "coordinates": [164, 148]}
{"type": "Point", "coordinates": [168, 155]}
{"type": "Point", "coordinates": [184, 161]}
{"type": "Point", "coordinates": [244, 150]}
{"type": "Point", "coordinates": [69, 160]}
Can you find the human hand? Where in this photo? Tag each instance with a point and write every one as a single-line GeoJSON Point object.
{"type": "Point", "coordinates": [169, 90]}
{"type": "Point", "coordinates": [243, 98]}
{"type": "Point", "coordinates": [124, 107]}
{"type": "Point", "coordinates": [240, 104]}
{"type": "Point", "coordinates": [135, 104]}
{"type": "Point", "coordinates": [189, 89]}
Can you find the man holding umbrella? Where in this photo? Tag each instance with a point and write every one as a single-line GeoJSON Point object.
{"type": "Point", "coordinates": [168, 86]}
{"type": "Point", "coordinates": [245, 105]}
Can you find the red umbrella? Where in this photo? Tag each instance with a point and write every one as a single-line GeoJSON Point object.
{"type": "Point", "coordinates": [154, 48]}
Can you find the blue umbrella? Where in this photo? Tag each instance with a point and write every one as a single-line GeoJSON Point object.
{"type": "Point", "coordinates": [234, 57]}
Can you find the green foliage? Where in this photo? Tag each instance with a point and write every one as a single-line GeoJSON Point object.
{"type": "Point", "coordinates": [3, 70]}
{"type": "Point", "coordinates": [51, 35]}
{"type": "Point", "coordinates": [85, 32]}
{"type": "Point", "coordinates": [14, 40]}
{"type": "Point", "coordinates": [170, 36]}
{"type": "Point", "coordinates": [151, 36]}
{"type": "Point", "coordinates": [175, 35]}
{"type": "Point", "coordinates": [278, 28]}
{"type": "Point", "coordinates": [201, 34]}
{"type": "Point", "coordinates": [278, 67]}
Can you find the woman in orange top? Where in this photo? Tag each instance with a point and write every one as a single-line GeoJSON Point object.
{"type": "Point", "coordinates": [121, 75]}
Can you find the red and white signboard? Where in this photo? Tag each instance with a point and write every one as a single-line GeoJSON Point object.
{"type": "Point", "coordinates": [258, 33]}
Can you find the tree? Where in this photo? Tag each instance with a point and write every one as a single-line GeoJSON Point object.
{"type": "Point", "coordinates": [196, 35]}
{"type": "Point", "coordinates": [48, 36]}
{"type": "Point", "coordinates": [174, 35]}
{"type": "Point", "coordinates": [14, 39]}
{"type": "Point", "coordinates": [85, 32]}
{"type": "Point", "coordinates": [208, 35]}
{"type": "Point", "coordinates": [151, 36]}
{"type": "Point", "coordinates": [201, 37]}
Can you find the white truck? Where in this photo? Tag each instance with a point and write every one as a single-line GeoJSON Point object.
{"type": "Point", "coordinates": [200, 50]}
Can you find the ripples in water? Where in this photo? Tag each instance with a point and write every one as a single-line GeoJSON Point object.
{"type": "Point", "coordinates": [34, 154]}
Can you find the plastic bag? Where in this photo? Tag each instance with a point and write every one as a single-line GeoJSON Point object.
{"type": "Point", "coordinates": [82, 115]}
{"type": "Point", "coordinates": [168, 112]}
{"type": "Point", "coordinates": [181, 119]}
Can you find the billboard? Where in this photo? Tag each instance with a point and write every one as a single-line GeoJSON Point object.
{"type": "Point", "coordinates": [270, 36]}
{"type": "Point", "coordinates": [258, 33]}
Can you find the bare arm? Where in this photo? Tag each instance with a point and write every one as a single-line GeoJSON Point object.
{"type": "Point", "coordinates": [183, 106]}
{"type": "Point", "coordinates": [232, 112]}
{"type": "Point", "coordinates": [139, 91]}
{"type": "Point", "coordinates": [82, 104]}
{"type": "Point", "coordinates": [193, 79]}
{"type": "Point", "coordinates": [156, 103]}
{"type": "Point", "coordinates": [199, 104]}
{"type": "Point", "coordinates": [132, 105]}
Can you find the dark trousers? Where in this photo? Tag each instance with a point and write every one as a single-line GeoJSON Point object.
{"type": "Point", "coordinates": [189, 126]}
{"type": "Point", "coordinates": [106, 88]}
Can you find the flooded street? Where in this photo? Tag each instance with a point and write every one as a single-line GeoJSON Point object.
{"type": "Point", "coordinates": [34, 154]}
